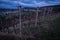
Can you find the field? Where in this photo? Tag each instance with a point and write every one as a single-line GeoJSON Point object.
{"type": "Point", "coordinates": [47, 28]}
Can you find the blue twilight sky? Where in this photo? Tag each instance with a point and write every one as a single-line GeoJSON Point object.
{"type": "Point", "coordinates": [27, 3]}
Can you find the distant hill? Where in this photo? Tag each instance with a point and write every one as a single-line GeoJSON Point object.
{"type": "Point", "coordinates": [5, 9]}
{"type": "Point", "coordinates": [55, 7]}
{"type": "Point", "coordinates": [42, 7]}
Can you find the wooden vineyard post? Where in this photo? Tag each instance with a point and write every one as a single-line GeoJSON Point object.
{"type": "Point", "coordinates": [44, 13]}
{"type": "Point", "coordinates": [51, 9]}
{"type": "Point", "coordinates": [49, 12]}
{"type": "Point", "coordinates": [36, 17]}
{"type": "Point", "coordinates": [30, 18]}
{"type": "Point", "coordinates": [20, 18]}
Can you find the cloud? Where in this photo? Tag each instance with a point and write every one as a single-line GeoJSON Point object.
{"type": "Point", "coordinates": [34, 4]}
{"type": "Point", "coordinates": [27, 3]}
